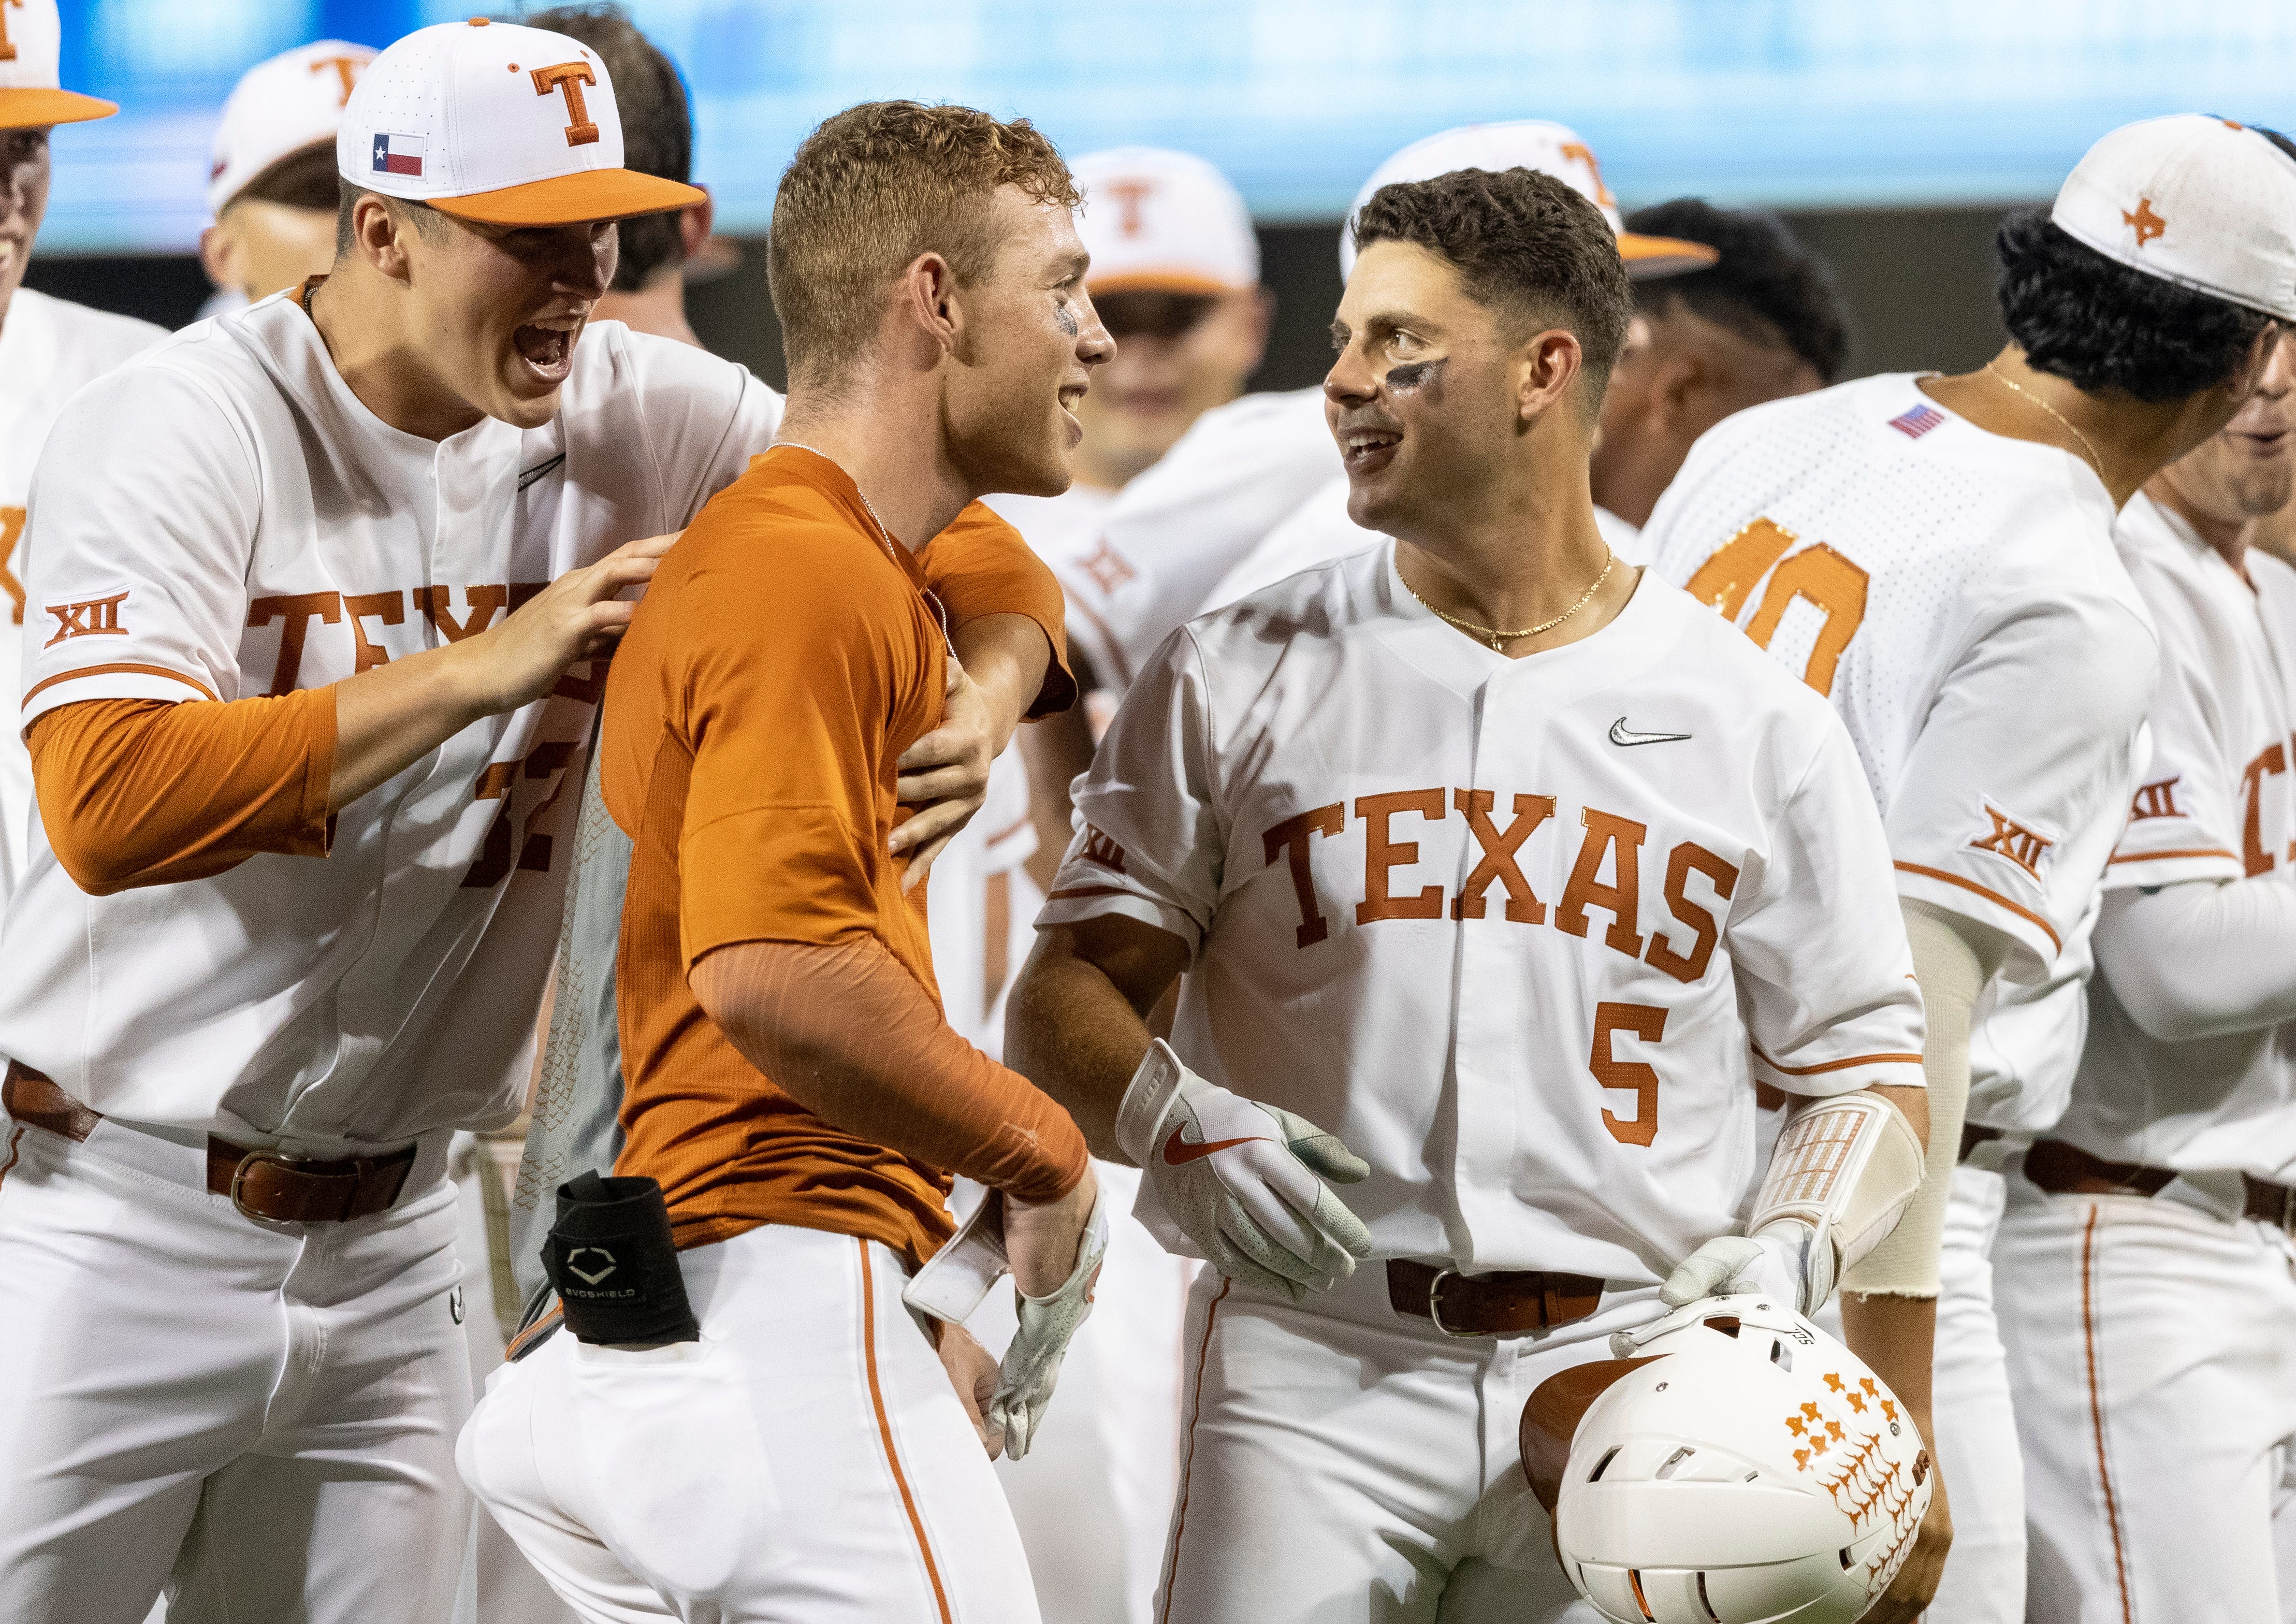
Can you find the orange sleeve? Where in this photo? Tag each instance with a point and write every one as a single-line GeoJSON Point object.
{"type": "Point", "coordinates": [798, 688]}
{"type": "Point", "coordinates": [981, 566]}
{"type": "Point", "coordinates": [136, 791]}
{"type": "Point", "coordinates": [850, 1035]}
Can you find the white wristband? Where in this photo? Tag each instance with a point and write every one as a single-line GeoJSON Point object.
{"type": "Point", "coordinates": [1147, 1097]}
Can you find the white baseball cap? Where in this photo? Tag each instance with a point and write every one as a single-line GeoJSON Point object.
{"type": "Point", "coordinates": [31, 37]}
{"type": "Point", "coordinates": [2192, 200]}
{"type": "Point", "coordinates": [280, 107]}
{"type": "Point", "coordinates": [1527, 143]}
{"type": "Point", "coordinates": [1161, 220]}
{"type": "Point", "coordinates": [495, 122]}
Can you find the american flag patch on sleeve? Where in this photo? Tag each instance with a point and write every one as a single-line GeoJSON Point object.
{"type": "Point", "coordinates": [398, 154]}
{"type": "Point", "coordinates": [1917, 420]}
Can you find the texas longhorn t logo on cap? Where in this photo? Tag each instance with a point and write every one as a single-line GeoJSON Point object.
{"type": "Point", "coordinates": [31, 36]}
{"type": "Point", "coordinates": [493, 122]}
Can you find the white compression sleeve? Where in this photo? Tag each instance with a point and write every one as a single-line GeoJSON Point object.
{"type": "Point", "coordinates": [2201, 960]}
{"type": "Point", "coordinates": [1952, 959]}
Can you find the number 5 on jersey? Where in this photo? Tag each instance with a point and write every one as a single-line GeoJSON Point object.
{"type": "Point", "coordinates": [1818, 576]}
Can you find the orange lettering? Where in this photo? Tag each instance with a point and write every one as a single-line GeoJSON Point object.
{"type": "Point", "coordinates": [1725, 581]}
{"type": "Point", "coordinates": [1647, 1022]}
{"type": "Point", "coordinates": [2011, 839]}
{"type": "Point", "coordinates": [1680, 861]}
{"type": "Point", "coordinates": [1606, 833]}
{"type": "Point", "coordinates": [570, 78]}
{"type": "Point", "coordinates": [95, 618]}
{"type": "Point", "coordinates": [1382, 855]}
{"type": "Point", "coordinates": [1292, 837]}
{"type": "Point", "coordinates": [11, 528]}
{"type": "Point", "coordinates": [1099, 848]}
{"type": "Point", "coordinates": [2156, 800]}
{"type": "Point", "coordinates": [7, 51]}
{"type": "Point", "coordinates": [587, 689]}
{"type": "Point", "coordinates": [436, 603]}
{"type": "Point", "coordinates": [2272, 759]}
{"type": "Point", "coordinates": [295, 613]}
{"type": "Point", "coordinates": [347, 70]}
{"type": "Point", "coordinates": [1830, 583]}
{"type": "Point", "coordinates": [1130, 194]}
{"type": "Point", "coordinates": [389, 608]}
{"type": "Point", "coordinates": [493, 863]}
{"type": "Point", "coordinates": [1108, 568]}
{"type": "Point", "coordinates": [1585, 154]}
{"type": "Point", "coordinates": [1498, 860]}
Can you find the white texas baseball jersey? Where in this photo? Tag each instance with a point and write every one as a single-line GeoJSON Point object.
{"type": "Point", "coordinates": [1239, 472]}
{"type": "Point", "coordinates": [223, 518]}
{"type": "Point", "coordinates": [1524, 933]}
{"type": "Point", "coordinates": [2216, 805]}
{"type": "Point", "coordinates": [1068, 533]}
{"type": "Point", "coordinates": [48, 348]}
{"type": "Point", "coordinates": [982, 905]}
{"type": "Point", "coordinates": [1956, 594]}
{"type": "Point", "coordinates": [1319, 531]}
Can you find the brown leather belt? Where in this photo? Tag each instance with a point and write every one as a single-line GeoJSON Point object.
{"type": "Point", "coordinates": [265, 1184]}
{"type": "Point", "coordinates": [1974, 1134]}
{"type": "Point", "coordinates": [1489, 1304]}
{"type": "Point", "coordinates": [2067, 1170]}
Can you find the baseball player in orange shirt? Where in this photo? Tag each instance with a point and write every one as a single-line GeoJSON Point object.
{"type": "Point", "coordinates": [755, 1426]}
{"type": "Point", "coordinates": [318, 578]}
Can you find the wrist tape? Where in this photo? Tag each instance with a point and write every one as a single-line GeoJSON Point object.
{"type": "Point", "coordinates": [611, 1260]}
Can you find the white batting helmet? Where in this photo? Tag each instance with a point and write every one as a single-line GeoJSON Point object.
{"type": "Point", "coordinates": [1741, 1465]}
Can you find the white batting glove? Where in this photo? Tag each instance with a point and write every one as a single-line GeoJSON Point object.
{"type": "Point", "coordinates": [1776, 1260]}
{"type": "Point", "coordinates": [1032, 1360]}
{"type": "Point", "coordinates": [1243, 1180]}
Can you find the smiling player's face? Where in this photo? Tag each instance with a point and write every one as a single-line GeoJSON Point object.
{"type": "Point", "coordinates": [1419, 398]}
{"type": "Point", "coordinates": [500, 309]}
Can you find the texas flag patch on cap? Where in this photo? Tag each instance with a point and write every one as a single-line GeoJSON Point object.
{"type": "Point", "coordinates": [397, 154]}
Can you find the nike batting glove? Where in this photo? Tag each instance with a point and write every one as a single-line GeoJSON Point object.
{"type": "Point", "coordinates": [1032, 1363]}
{"type": "Point", "coordinates": [1243, 1180]}
{"type": "Point", "coordinates": [1776, 1260]}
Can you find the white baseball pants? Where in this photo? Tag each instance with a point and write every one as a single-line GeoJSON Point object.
{"type": "Point", "coordinates": [805, 1461]}
{"type": "Point", "coordinates": [2152, 1354]}
{"type": "Point", "coordinates": [1106, 1457]}
{"type": "Point", "coordinates": [1348, 1465]}
{"type": "Point", "coordinates": [260, 1420]}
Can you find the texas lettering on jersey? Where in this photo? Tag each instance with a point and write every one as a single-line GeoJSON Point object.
{"type": "Point", "coordinates": [1603, 873]}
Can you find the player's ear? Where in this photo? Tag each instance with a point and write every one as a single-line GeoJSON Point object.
{"type": "Point", "coordinates": [379, 234]}
{"type": "Point", "coordinates": [1546, 367]}
{"type": "Point", "coordinates": [219, 253]}
{"type": "Point", "coordinates": [928, 296]}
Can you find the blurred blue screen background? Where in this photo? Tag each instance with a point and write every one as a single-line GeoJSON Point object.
{"type": "Point", "coordinates": [1795, 103]}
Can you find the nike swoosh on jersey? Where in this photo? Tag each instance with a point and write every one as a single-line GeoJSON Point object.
{"type": "Point", "coordinates": [1620, 734]}
{"type": "Point", "coordinates": [1178, 1153]}
{"type": "Point", "coordinates": [526, 476]}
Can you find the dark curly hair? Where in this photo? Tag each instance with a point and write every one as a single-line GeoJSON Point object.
{"type": "Point", "coordinates": [1768, 288]}
{"type": "Point", "coordinates": [1524, 241]}
{"type": "Point", "coordinates": [2100, 325]}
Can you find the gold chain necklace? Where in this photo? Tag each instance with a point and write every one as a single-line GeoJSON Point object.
{"type": "Point", "coordinates": [1498, 639]}
{"type": "Point", "coordinates": [2095, 461]}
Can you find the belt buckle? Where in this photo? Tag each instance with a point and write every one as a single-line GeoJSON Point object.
{"type": "Point", "coordinates": [292, 1164]}
{"type": "Point", "coordinates": [1435, 1306]}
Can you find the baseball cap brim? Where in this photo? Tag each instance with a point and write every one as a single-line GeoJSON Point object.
{"type": "Point", "coordinates": [572, 199]}
{"type": "Point", "coordinates": [1160, 282]}
{"type": "Point", "coordinates": [33, 109]}
{"type": "Point", "coordinates": [1648, 257]}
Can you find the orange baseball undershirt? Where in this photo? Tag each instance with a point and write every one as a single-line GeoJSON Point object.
{"type": "Point", "coordinates": [146, 792]}
{"type": "Point", "coordinates": [847, 1033]}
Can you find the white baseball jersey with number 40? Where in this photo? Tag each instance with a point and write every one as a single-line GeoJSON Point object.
{"type": "Point", "coordinates": [1956, 594]}
{"type": "Point", "coordinates": [1523, 932]}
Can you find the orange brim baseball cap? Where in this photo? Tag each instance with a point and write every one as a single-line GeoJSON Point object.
{"type": "Point", "coordinates": [497, 123]}
{"type": "Point", "coordinates": [569, 199]}
{"type": "Point", "coordinates": [1648, 257]}
{"type": "Point", "coordinates": [37, 108]}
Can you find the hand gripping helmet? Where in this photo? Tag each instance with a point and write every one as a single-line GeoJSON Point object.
{"type": "Point", "coordinates": [1734, 1465]}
